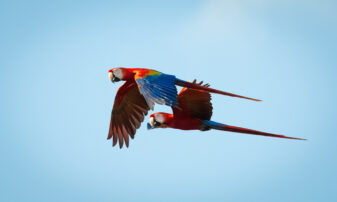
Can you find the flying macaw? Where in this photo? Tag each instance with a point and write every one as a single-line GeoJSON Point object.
{"type": "Point", "coordinates": [193, 112]}
{"type": "Point", "coordinates": [141, 90]}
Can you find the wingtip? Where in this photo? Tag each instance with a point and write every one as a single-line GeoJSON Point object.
{"type": "Point", "coordinates": [114, 143]}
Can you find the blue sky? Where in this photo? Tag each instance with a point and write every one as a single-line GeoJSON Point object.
{"type": "Point", "coordinates": [56, 100]}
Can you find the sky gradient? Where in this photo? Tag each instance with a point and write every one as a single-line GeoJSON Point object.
{"type": "Point", "coordinates": [56, 100]}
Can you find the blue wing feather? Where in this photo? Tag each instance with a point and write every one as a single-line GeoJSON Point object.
{"type": "Point", "coordinates": [159, 89]}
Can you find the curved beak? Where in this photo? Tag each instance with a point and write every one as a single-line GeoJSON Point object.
{"type": "Point", "coordinates": [111, 77]}
{"type": "Point", "coordinates": [150, 125]}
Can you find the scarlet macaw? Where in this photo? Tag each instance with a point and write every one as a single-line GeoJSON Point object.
{"type": "Point", "coordinates": [143, 88]}
{"type": "Point", "coordinates": [193, 112]}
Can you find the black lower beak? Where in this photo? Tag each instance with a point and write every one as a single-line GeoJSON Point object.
{"type": "Point", "coordinates": [149, 126]}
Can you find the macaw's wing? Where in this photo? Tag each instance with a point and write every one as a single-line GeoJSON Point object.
{"type": "Point", "coordinates": [127, 114]}
{"type": "Point", "coordinates": [157, 87]}
{"type": "Point", "coordinates": [194, 103]}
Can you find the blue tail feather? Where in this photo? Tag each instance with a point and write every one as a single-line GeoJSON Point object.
{"type": "Point", "coordinates": [224, 127]}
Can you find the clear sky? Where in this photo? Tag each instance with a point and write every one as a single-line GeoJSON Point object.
{"type": "Point", "coordinates": [56, 100]}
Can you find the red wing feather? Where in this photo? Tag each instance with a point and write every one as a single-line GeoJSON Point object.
{"type": "Point", "coordinates": [194, 103]}
{"type": "Point", "coordinates": [127, 114]}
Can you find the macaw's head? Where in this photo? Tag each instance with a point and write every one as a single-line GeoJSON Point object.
{"type": "Point", "coordinates": [159, 120]}
{"type": "Point", "coordinates": [119, 74]}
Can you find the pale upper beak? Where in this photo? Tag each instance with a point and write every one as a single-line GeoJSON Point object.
{"type": "Point", "coordinates": [110, 76]}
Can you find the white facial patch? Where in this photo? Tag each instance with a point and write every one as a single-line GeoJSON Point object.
{"type": "Point", "coordinates": [118, 73]}
{"type": "Point", "coordinates": [160, 118]}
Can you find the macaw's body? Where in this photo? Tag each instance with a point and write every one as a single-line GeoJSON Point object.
{"type": "Point", "coordinates": [141, 90]}
{"type": "Point", "coordinates": [193, 112]}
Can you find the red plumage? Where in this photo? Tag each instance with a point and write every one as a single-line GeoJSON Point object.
{"type": "Point", "coordinates": [194, 111]}
{"type": "Point", "coordinates": [142, 89]}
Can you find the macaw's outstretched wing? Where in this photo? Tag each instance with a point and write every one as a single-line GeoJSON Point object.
{"type": "Point", "coordinates": [156, 87]}
{"type": "Point", "coordinates": [127, 114]}
{"type": "Point", "coordinates": [194, 103]}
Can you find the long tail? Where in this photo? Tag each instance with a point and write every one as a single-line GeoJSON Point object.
{"type": "Point", "coordinates": [220, 126]}
{"type": "Point", "coordinates": [199, 87]}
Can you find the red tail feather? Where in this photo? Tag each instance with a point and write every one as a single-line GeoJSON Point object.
{"type": "Point", "coordinates": [204, 88]}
